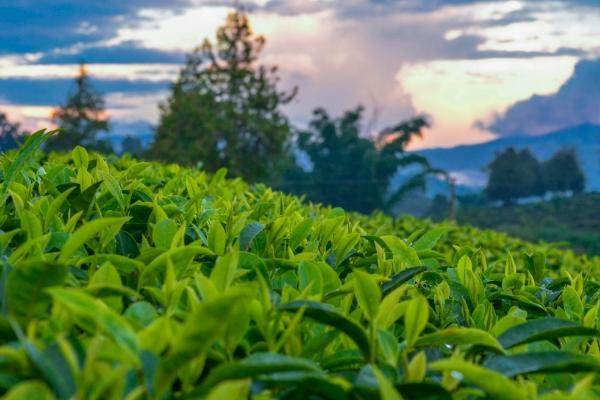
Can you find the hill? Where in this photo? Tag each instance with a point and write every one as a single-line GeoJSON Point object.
{"type": "Point", "coordinates": [469, 161]}
{"type": "Point", "coordinates": [573, 220]}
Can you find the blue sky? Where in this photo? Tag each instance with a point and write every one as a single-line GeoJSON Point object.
{"type": "Point", "coordinates": [479, 69]}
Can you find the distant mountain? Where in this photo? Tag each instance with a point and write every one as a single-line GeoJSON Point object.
{"type": "Point", "coordinates": [468, 162]}
{"type": "Point", "coordinates": [120, 130]}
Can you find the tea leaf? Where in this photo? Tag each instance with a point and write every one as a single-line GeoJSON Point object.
{"type": "Point", "coordinates": [367, 293]}
{"type": "Point", "coordinates": [543, 329]}
{"type": "Point", "coordinates": [542, 362]}
{"type": "Point", "coordinates": [493, 383]}
{"type": "Point", "coordinates": [328, 315]}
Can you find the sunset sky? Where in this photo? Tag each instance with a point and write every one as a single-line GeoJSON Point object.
{"type": "Point", "coordinates": [478, 69]}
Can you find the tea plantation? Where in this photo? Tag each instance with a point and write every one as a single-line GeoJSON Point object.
{"type": "Point", "coordinates": [133, 280]}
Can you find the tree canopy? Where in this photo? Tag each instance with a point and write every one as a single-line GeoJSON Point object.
{"type": "Point", "coordinates": [562, 172]}
{"type": "Point", "coordinates": [225, 109]}
{"type": "Point", "coordinates": [352, 171]}
{"type": "Point", "coordinates": [514, 174]}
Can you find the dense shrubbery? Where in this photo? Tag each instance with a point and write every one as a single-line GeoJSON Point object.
{"type": "Point", "coordinates": [126, 279]}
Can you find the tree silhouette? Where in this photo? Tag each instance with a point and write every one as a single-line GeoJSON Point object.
{"type": "Point", "coordinates": [514, 175]}
{"type": "Point", "coordinates": [224, 108]}
{"type": "Point", "coordinates": [81, 118]}
{"type": "Point", "coordinates": [562, 172]}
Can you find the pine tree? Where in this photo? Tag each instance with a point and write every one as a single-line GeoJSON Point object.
{"type": "Point", "coordinates": [81, 118]}
{"type": "Point", "coordinates": [224, 108]}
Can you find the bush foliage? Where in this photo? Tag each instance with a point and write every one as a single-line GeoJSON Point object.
{"type": "Point", "coordinates": [136, 280]}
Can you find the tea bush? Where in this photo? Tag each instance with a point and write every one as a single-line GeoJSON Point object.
{"type": "Point", "coordinates": [136, 280]}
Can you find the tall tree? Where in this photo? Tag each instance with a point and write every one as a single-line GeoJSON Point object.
{"type": "Point", "coordinates": [352, 171]}
{"type": "Point", "coordinates": [224, 109]}
{"type": "Point", "coordinates": [9, 133]}
{"type": "Point", "coordinates": [81, 118]}
{"type": "Point", "coordinates": [514, 175]}
{"type": "Point", "coordinates": [563, 173]}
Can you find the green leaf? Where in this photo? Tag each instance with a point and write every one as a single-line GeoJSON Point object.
{"type": "Point", "coordinates": [31, 145]}
{"type": "Point", "coordinates": [399, 279]}
{"type": "Point", "coordinates": [542, 362]}
{"type": "Point", "coordinates": [80, 157]}
{"type": "Point", "coordinates": [29, 390]}
{"type": "Point", "coordinates": [543, 329]}
{"type": "Point", "coordinates": [310, 274]}
{"type": "Point", "coordinates": [114, 188]}
{"type": "Point", "coordinates": [55, 206]}
{"type": "Point", "coordinates": [248, 234]}
{"type": "Point", "coordinates": [496, 385]}
{"type": "Point", "coordinates": [217, 239]}
{"type": "Point", "coordinates": [386, 388]}
{"type": "Point", "coordinates": [25, 288]}
{"type": "Point", "coordinates": [86, 232]}
{"type": "Point", "coordinates": [256, 365]}
{"type": "Point", "coordinates": [31, 224]}
{"type": "Point", "coordinates": [460, 336]}
{"type": "Point", "coordinates": [107, 275]}
{"type": "Point", "coordinates": [164, 232]}
{"type": "Point", "coordinates": [344, 246]}
{"type": "Point", "coordinates": [205, 325]}
{"type": "Point", "coordinates": [82, 201]}
{"type": "Point", "coordinates": [51, 368]}
{"type": "Point", "coordinates": [178, 255]}
{"type": "Point", "coordinates": [367, 293]}
{"type": "Point", "coordinates": [238, 389]}
{"type": "Point", "coordinates": [429, 239]}
{"type": "Point", "coordinates": [224, 270]}
{"type": "Point", "coordinates": [87, 309]}
{"type": "Point", "coordinates": [572, 304]}
{"type": "Point", "coordinates": [415, 318]}
{"type": "Point", "coordinates": [328, 315]}
{"type": "Point", "coordinates": [300, 232]}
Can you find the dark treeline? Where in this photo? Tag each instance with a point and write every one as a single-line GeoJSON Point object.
{"type": "Point", "coordinates": [225, 110]}
{"type": "Point", "coordinates": [518, 174]}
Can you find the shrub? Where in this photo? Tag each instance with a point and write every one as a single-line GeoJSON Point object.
{"type": "Point", "coordinates": [128, 279]}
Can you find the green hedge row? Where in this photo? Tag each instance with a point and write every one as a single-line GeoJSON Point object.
{"type": "Point", "coordinates": [136, 280]}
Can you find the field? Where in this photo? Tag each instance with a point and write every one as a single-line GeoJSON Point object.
{"type": "Point", "coordinates": [573, 220]}
{"type": "Point", "coordinates": [136, 280]}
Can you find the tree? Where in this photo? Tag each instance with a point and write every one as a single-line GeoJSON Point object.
{"type": "Point", "coordinates": [224, 108]}
{"type": "Point", "coordinates": [562, 172]}
{"type": "Point", "coordinates": [514, 175]}
{"type": "Point", "coordinates": [9, 133]}
{"type": "Point", "coordinates": [81, 118]}
{"type": "Point", "coordinates": [351, 171]}
{"type": "Point", "coordinates": [132, 145]}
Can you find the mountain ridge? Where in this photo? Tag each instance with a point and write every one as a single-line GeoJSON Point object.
{"type": "Point", "coordinates": [468, 161]}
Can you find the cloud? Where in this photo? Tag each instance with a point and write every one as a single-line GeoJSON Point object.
{"type": "Point", "coordinates": [339, 53]}
{"type": "Point", "coordinates": [128, 52]}
{"type": "Point", "coordinates": [52, 92]}
{"type": "Point", "coordinates": [29, 26]}
{"type": "Point", "coordinates": [576, 102]}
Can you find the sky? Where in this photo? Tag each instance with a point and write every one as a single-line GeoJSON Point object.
{"type": "Point", "coordinates": [478, 69]}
